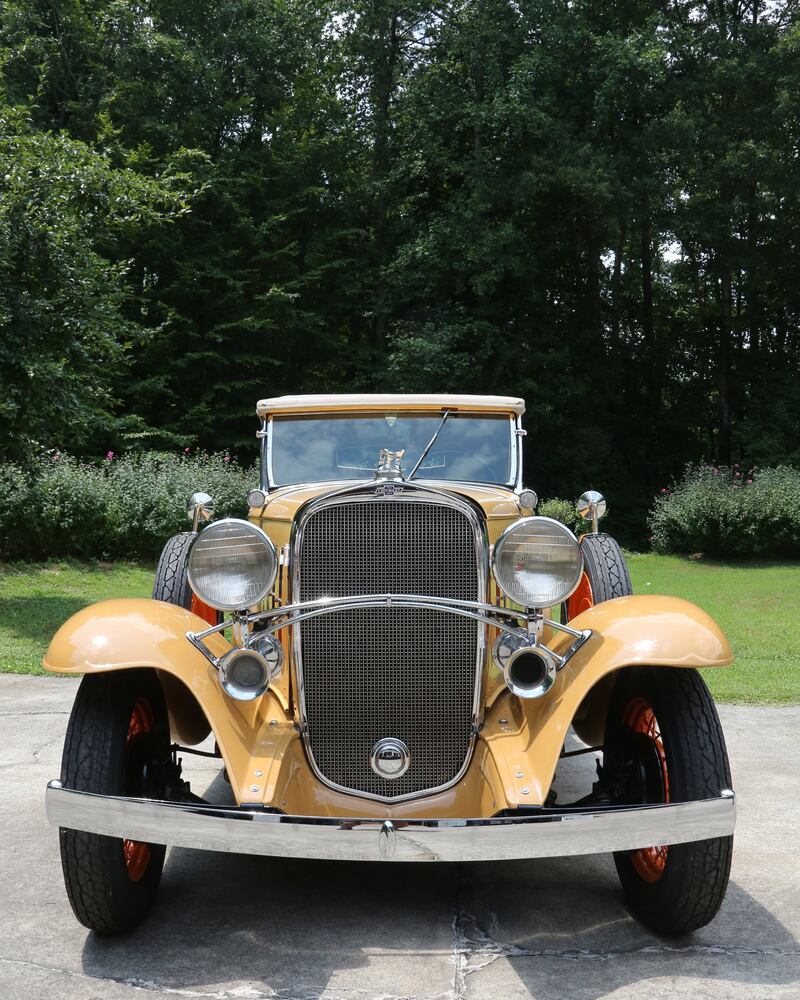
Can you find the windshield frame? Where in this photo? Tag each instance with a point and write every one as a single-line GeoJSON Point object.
{"type": "Point", "coordinates": [516, 433]}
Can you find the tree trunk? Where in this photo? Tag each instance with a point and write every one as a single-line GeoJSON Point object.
{"type": "Point", "coordinates": [653, 376]}
{"type": "Point", "coordinates": [384, 84]}
{"type": "Point", "coordinates": [724, 366]}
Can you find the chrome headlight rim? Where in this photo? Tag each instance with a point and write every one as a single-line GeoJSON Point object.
{"type": "Point", "coordinates": [513, 529]}
{"type": "Point", "coordinates": [271, 553]}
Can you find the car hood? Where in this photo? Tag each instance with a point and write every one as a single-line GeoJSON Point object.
{"type": "Point", "coordinates": [499, 503]}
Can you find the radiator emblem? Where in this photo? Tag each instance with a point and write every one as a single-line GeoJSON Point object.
{"type": "Point", "coordinates": [390, 758]}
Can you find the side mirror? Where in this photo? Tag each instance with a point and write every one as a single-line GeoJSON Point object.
{"type": "Point", "coordinates": [200, 507]}
{"type": "Point", "coordinates": [591, 507]}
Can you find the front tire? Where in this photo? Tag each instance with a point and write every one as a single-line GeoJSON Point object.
{"type": "Point", "coordinates": [171, 583]}
{"type": "Point", "coordinates": [664, 743]}
{"type": "Point", "coordinates": [118, 726]}
{"type": "Point", "coordinates": [605, 575]}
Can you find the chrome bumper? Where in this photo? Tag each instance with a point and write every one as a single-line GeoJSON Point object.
{"type": "Point", "coordinates": [547, 833]}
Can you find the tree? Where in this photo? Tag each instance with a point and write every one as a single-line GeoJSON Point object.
{"type": "Point", "coordinates": [64, 323]}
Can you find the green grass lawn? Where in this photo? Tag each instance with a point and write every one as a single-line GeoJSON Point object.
{"type": "Point", "coordinates": [756, 605]}
{"type": "Point", "coordinates": [35, 600]}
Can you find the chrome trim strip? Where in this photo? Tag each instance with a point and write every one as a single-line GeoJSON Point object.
{"type": "Point", "coordinates": [442, 603]}
{"type": "Point", "coordinates": [546, 833]}
{"type": "Point", "coordinates": [514, 481]}
{"type": "Point", "coordinates": [488, 614]}
{"type": "Point", "coordinates": [263, 456]}
{"type": "Point", "coordinates": [411, 492]}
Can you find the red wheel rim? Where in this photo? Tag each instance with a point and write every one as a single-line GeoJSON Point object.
{"type": "Point", "coordinates": [649, 862]}
{"type": "Point", "coordinates": [581, 599]}
{"type": "Point", "coordinates": [137, 854]}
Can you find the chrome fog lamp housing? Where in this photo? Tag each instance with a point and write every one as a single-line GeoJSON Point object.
{"type": "Point", "coordinates": [528, 668]}
{"type": "Point", "coordinates": [244, 674]}
{"type": "Point", "coordinates": [232, 565]}
{"type": "Point", "coordinates": [530, 671]}
{"type": "Point", "coordinates": [506, 644]}
{"type": "Point", "coordinates": [269, 647]}
{"type": "Point", "coordinates": [537, 562]}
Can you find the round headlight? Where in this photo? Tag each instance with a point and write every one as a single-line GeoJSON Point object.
{"type": "Point", "coordinates": [232, 565]}
{"type": "Point", "coordinates": [537, 562]}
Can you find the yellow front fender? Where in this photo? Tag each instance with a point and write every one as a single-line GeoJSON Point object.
{"type": "Point", "coordinates": [518, 747]}
{"type": "Point", "coordinates": [129, 633]}
{"type": "Point", "coordinates": [525, 737]}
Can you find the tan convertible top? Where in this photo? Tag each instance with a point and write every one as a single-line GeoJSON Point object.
{"type": "Point", "coordinates": [368, 401]}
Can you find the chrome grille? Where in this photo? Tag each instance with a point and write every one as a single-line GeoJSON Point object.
{"type": "Point", "coordinates": [402, 672]}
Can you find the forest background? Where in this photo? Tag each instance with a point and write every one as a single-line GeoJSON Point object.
{"type": "Point", "coordinates": [591, 204]}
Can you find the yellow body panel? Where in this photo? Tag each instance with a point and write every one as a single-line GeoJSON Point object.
{"type": "Point", "coordinates": [260, 742]}
{"type": "Point", "coordinates": [499, 503]}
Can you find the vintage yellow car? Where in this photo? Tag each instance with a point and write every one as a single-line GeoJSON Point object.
{"type": "Point", "coordinates": [390, 653]}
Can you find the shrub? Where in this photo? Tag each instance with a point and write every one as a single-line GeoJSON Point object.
{"type": "Point", "coordinates": [564, 511]}
{"type": "Point", "coordinates": [124, 508]}
{"type": "Point", "coordinates": [722, 511]}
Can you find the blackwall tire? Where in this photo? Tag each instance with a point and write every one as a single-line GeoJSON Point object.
{"type": "Point", "coordinates": [111, 883]}
{"type": "Point", "coordinates": [171, 583]}
{"type": "Point", "coordinates": [605, 575]}
{"type": "Point", "coordinates": [604, 563]}
{"type": "Point", "coordinates": [677, 890]}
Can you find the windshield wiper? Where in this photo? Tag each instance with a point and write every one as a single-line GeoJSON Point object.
{"type": "Point", "coordinates": [429, 445]}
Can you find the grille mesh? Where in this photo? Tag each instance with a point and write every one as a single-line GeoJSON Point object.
{"type": "Point", "coordinates": [402, 672]}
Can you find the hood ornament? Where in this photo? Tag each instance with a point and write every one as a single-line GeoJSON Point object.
{"type": "Point", "coordinates": [389, 464]}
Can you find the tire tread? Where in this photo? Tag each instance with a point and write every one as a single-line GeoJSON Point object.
{"type": "Point", "coordinates": [171, 583]}
{"type": "Point", "coordinates": [92, 864]}
{"type": "Point", "coordinates": [692, 889]}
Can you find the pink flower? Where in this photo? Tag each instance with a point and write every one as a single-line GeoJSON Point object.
{"type": "Point", "coordinates": [738, 475]}
{"type": "Point", "coordinates": [749, 481]}
{"type": "Point", "coordinates": [186, 451]}
{"type": "Point", "coordinates": [227, 458]}
{"type": "Point", "coordinates": [664, 489]}
{"type": "Point", "coordinates": [109, 455]}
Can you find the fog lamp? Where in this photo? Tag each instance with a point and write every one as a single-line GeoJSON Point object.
{"type": "Point", "coordinates": [244, 674]}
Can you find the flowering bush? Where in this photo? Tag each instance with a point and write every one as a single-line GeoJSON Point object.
{"type": "Point", "coordinates": [729, 511]}
{"type": "Point", "coordinates": [126, 507]}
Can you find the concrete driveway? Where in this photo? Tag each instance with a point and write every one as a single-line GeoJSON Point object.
{"type": "Point", "coordinates": [235, 928]}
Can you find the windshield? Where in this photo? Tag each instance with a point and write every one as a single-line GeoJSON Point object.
{"type": "Point", "coordinates": [317, 449]}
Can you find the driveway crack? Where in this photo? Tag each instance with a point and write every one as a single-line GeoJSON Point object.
{"type": "Point", "coordinates": [480, 949]}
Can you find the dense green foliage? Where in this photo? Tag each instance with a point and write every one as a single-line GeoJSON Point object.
{"type": "Point", "coordinates": [124, 508]}
{"type": "Point", "coordinates": [722, 511]}
{"type": "Point", "coordinates": [565, 511]}
{"type": "Point", "coordinates": [592, 204]}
